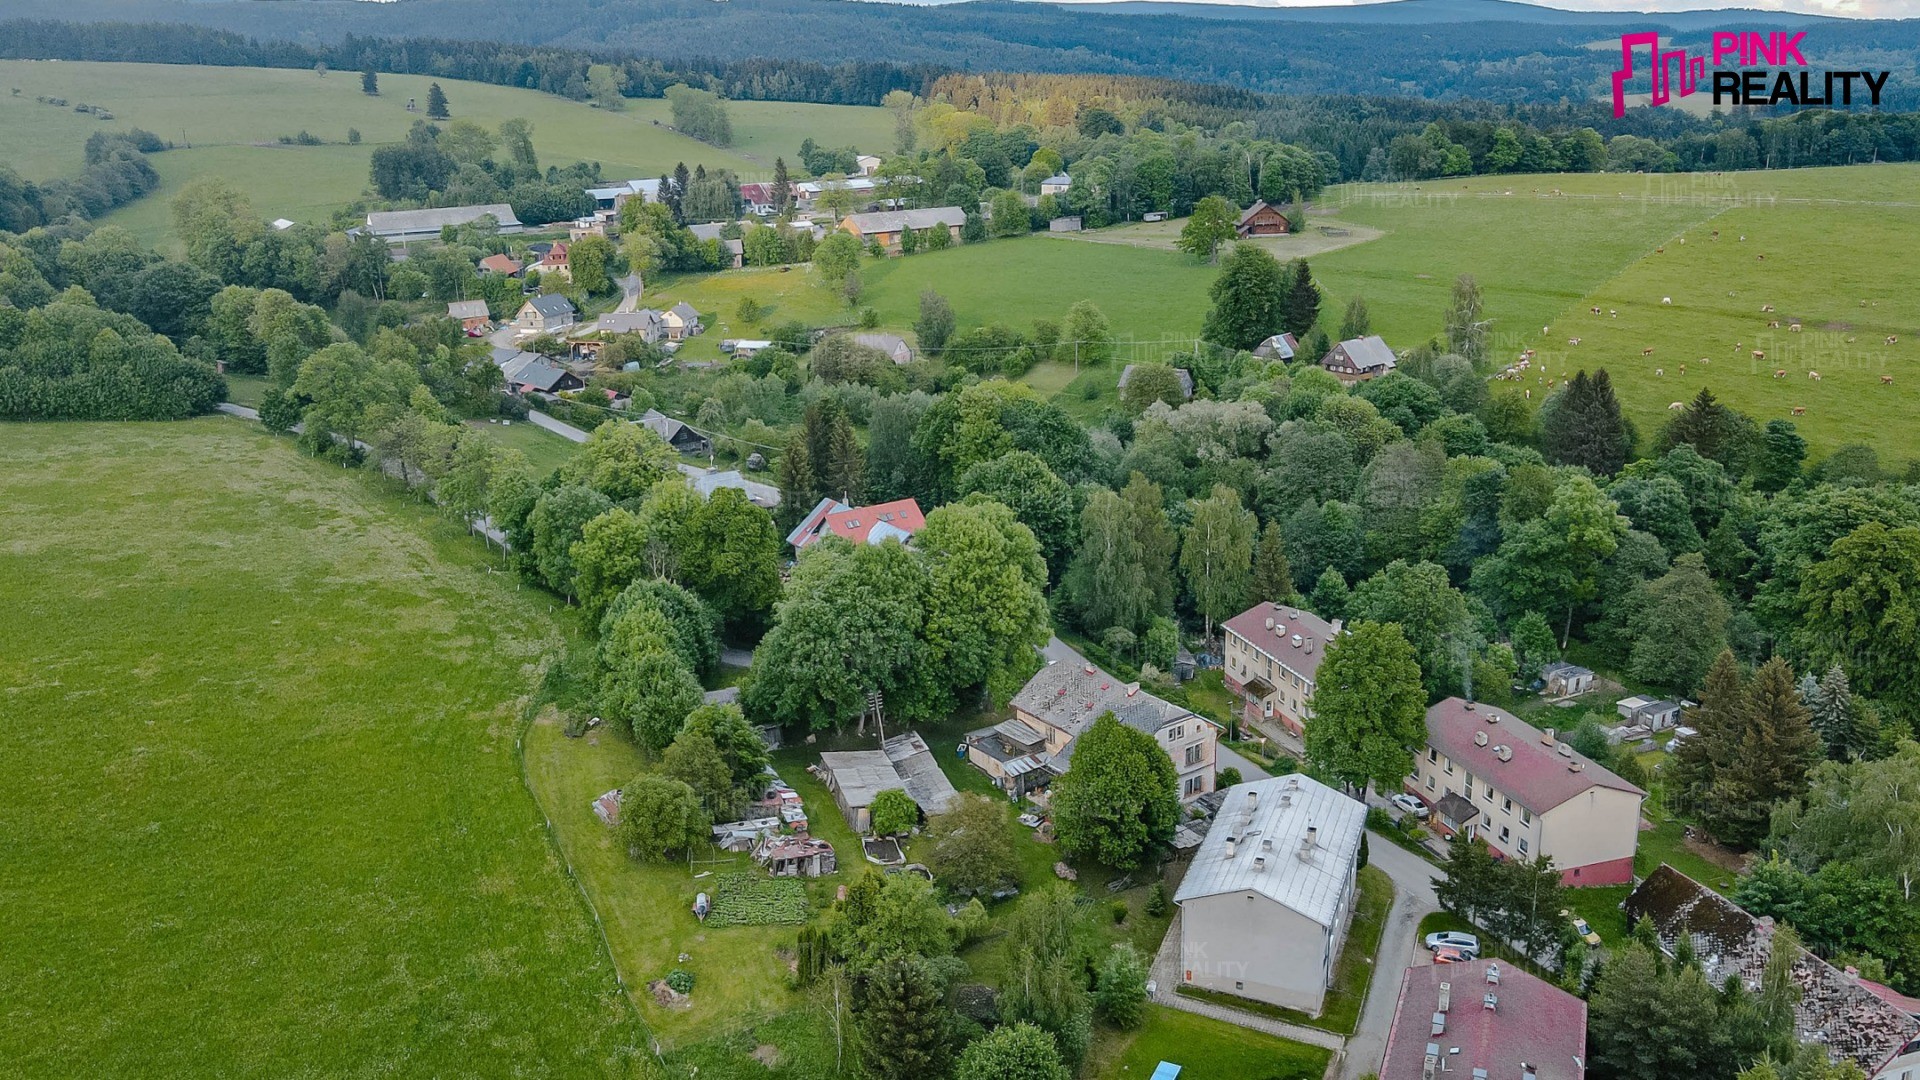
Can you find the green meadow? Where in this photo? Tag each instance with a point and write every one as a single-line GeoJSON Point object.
{"type": "Point", "coordinates": [259, 778]}
{"type": "Point", "coordinates": [227, 121]}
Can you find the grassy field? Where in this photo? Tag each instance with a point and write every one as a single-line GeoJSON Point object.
{"type": "Point", "coordinates": [1205, 1050]}
{"type": "Point", "coordinates": [259, 778]}
{"type": "Point", "coordinates": [227, 120]}
{"type": "Point", "coordinates": [545, 450]}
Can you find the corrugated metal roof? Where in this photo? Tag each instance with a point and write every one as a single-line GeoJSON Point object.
{"type": "Point", "coordinates": [1266, 826]}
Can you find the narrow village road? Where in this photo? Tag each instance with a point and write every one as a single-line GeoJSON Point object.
{"type": "Point", "coordinates": [564, 430]}
{"type": "Point", "coordinates": [1413, 899]}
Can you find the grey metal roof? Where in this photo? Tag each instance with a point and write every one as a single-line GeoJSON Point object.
{"type": "Point", "coordinates": [1260, 842]}
{"type": "Point", "coordinates": [685, 312]}
{"type": "Point", "coordinates": [894, 220]}
{"type": "Point", "coordinates": [432, 220]}
{"type": "Point", "coordinates": [891, 344]}
{"type": "Point", "coordinates": [467, 309]}
{"type": "Point", "coordinates": [920, 773]}
{"type": "Point", "coordinates": [1368, 353]}
{"type": "Point", "coordinates": [708, 481]}
{"type": "Point", "coordinates": [535, 371]}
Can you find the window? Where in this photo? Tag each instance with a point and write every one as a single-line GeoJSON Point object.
{"type": "Point", "coordinates": [1429, 783]}
{"type": "Point", "coordinates": [1486, 823]}
{"type": "Point", "coordinates": [1469, 789]}
{"type": "Point", "coordinates": [1523, 845]}
{"type": "Point", "coordinates": [1506, 806]}
{"type": "Point", "coordinates": [1193, 754]}
{"type": "Point", "coordinates": [1503, 834]}
{"type": "Point", "coordinates": [1433, 755]}
{"type": "Point", "coordinates": [1449, 766]}
{"type": "Point", "coordinates": [1526, 818]}
{"type": "Point", "coordinates": [1195, 784]}
{"type": "Point", "coordinates": [1178, 730]}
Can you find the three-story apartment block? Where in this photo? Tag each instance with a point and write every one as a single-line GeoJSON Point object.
{"type": "Point", "coordinates": [1271, 655]}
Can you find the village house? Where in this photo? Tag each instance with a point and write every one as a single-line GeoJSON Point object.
{"type": "Point", "coordinates": [1262, 219]}
{"type": "Point", "coordinates": [681, 321]}
{"type": "Point", "coordinates": [1566, 680]}
{"type": "Point", "coordinates": [1266, 903]}
{"type": "Point", "coordinates": [1526, 793]}
{"type": "Point", "coordinates": [1182, 374]}
{"type": "Point", "coordinates": [504, 265]}
{"type": "Point", "coordinates": [708, 481]}
{"type": "Point", "coordinates": [1068, 223]}
{"type": "Point", "coordinates": [1035, 747]}
{"type": "Point", "coordinates": [1359, 359]}
{"type": "Point", "coordinates": [526, 372]}
{"type": "Point", "coordinates": [472, 316]}
{"type": "Point", "coordinates": [598, 224]}
{"type": "Point", "coordinates": [744, 348]}
{"type": "Point", "coordinates": [893, 345]}
{"type": "Point", "coordinates": [1271, 654]}
{"type": "Point", "coordinates": [1057, 184]}
{"type": "Point", "coordinates": [547, 314]}
{"type": "Point", "coordinates": [883, 227]}
{"type": "Point", "coordinates": [761, 199]}
{"type": "Point", "coordinates": [733, 253]}
{"type": "Point", "coordinates": [1484, 1019]}
{"type": "Point", "coordinates": [1837, 1010]}
{"type": "Point", "coordinates": [869, 164]}
{"type": "Point", "coordinates": [554, 260]}
{"type": "Point", "coordinates": [587, 340]}
{"type": "Point", "coordinates": [904, 761]}
{"type": "Point", "coordinates": [897, 520]}
{"type": "Point", "coordinates": [1278, 347]}
{"type": "Point", "coordinates": [861, 191]}
{"type": "Point", "coordinates": [676, 434]}
{"type": "Point", "coordinates": [403, 226]}
{"type": "Point", "coordinates": [1654, 714]}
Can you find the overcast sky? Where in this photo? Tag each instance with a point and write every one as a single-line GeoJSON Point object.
{"type": "Point", "coordinates": [1859, 9]}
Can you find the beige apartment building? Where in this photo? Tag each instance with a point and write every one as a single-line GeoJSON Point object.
{"type": "Point", "coordinates": [1272, 653]}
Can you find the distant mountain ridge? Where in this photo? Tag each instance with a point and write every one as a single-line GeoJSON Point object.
{"type": "Point", "coordinates": [1425, 12]}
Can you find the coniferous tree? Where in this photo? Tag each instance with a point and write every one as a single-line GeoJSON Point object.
{"type": "Point", "coordinates": [676, 200]}
{"type": "Point", "coordinates": [370, 83]}
{"type": "Point", "coordinates": [799, 489]}
{"type": "Point", "coordinates": [1357, 323]}
{"type": "Point", "coordinates": [1582, 425]}
{"type": "Point", "coordinates": [1272, 578]}
{"type": "Point", "coordinates": [1777, 748]}
{"type": "Point", "coordinates": [1303, 300]}
{"type": "Point", "coordinates": [437, 103]}
{"type": "Point", "coordinates": [905, 1025]}
{"type": "Point", "coordinates": [1717, 722]}
{"type": "Point", "coordinates": [1157, 541]}
{"type": "Point", "coordinates": [782, 186]}
{"type": "Point", "coordinates": [1847, 726]}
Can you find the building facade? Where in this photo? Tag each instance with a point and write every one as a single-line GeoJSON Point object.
{"type": "Point", "coordinates": [1271, 655]}
{"type": "Point", "coordinates": [1526, 793]}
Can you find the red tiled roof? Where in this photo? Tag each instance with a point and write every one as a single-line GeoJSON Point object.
{"type": "Point", "coordinates": [501, 264]}
{"type": "Point", "coordinates": [1537, 776]}
{"type": "Point", "coordinates": [1251, 624]}
{"type": "Point", "coordinates": [1908, 1005]}
{"type": "Point", "coordinates": [855, 524]}
{"type": "Point", "coordinates": [1533, 1023]}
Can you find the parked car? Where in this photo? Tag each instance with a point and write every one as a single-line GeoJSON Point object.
{"type": "Point", "coordinates": [1454, 939]}
{"type": "Point", "coordinates": [1580, 927]}
{"type": "Point", "coordinates": [1451, 956]}
{"type": "Point", "coordinates": [1409, 803]}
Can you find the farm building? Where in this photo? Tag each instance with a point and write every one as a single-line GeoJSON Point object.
{"type": "Point", "coordinates": [1070, 223]}
{"type": "Point", "coordinates": [1654, 714]}
{"type": "Point", "coordinates": [504, 265]}
{"type": "Point", "coordinates": [1277, 347]}
{"type": "Point", "coordinates": [893, 345]}
{"type": "Point", "coordinates": [1484, 1019]}
{"type": "Point", "coordinates": [795, 856]}
{"type": "Point", "coordinates": [406, 225]}
{"type": "Point", "coordinates": [1057, 184]}
{"type": "Point", "coordinates": [1265, 905]}
{"type": "Point", "coordinates": [883, 227]}
{"type": "Point", "coordinates": [1262, 219]}
{"type": "Point", "coordinates": [1359, 359]}
{"type": "Point", "coordinates": [612, 196]}
{"type": "Point", "coordinates": [1837, 1010]}
{"type": "Point", "coordinates": [904, 762]}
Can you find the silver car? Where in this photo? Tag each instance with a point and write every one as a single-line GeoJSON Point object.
{"type": "Point", "coordinates": [1454, 939]}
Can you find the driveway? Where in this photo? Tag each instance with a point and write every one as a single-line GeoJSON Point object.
{"type": "Point", "coordinates": [1413, 899]}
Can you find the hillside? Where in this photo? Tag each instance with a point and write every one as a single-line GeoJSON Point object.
{"type": "Point", "coordinates": [1516, 57]}
{"type": "Point", "coordinates": [227, 121]}
{"type": "Point", "coordinates": [1438, 12]}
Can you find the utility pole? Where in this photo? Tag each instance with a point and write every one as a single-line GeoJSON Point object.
{"type": "Point", "coordinates": [874, 701]}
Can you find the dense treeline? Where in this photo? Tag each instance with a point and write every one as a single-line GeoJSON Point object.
{"type": "Point", "coordinates": [116, 172]}
{"type": "Point", "coordinates": [69, 360]}
{"type": "Point", "coordinates": [1505, 62]}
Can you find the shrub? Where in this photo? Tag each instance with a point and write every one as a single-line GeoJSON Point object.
{"type": "Point", "coordinates": [1227, 777]}
{"type": "Point", "coordinates": [681, 981]}
{"type": "Point", "coordinates": [1119, 909]}
{"type": "Point", "coordinates": [1157, 899]}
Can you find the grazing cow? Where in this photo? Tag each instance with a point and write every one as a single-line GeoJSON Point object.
{"type": "Point", "coordinates": [1683, 369]}
{"type": "Point", "coordinates": [1529, 393]}
{"type": "Point", "coordinates": [1793, 328]}
{"type": "Point", "coordinates": [1760, 258]}
{"type": "Point", "coordinates": [1766, 308]}
{"type": "Point", "coordinates": [1892, 338]}
{"type": "Point", "coordinates": [1666, 299]}
{"type": "Point", "coordinates": [1799, 410]}
{"type": "Point", "coordinates": [1863, 303]}
{"type": "Point", "coordinates": [1683, 241]}
{"type": "Point", "coordinates": [1716, 234]}
{"type": "Point", "coordinates": [1814, 375]}
{"type": "Point", "coordinates": [1886, 380]}
{"type": "Point", "coordinates": [1850, 339]}
{"type": "Point", "coordinates": [1659, 251]}
{"type": "Point", "coordinates": [1576, 341]}
{"type": "Point", "coordinates": [1676, 406]}
{"type": "Point", "coordinates": [1596, 310]}
{"type": "Point", "coordinates": [1612, 313]}
{"type": "Point", "coordinates": [1704, 360]}
{"type": "Point", "coordinates": [1743, 238]}
{"type": "Point", "coordinates": [1774, 324]}
{"type": "Point", "coordinates": [1545, 330]}
{"type": "Point", "coordinates": [1647, 351]}
{"type": "Point", "coordinates": [1659, 371]}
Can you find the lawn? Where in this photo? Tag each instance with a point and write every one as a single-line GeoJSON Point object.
{"type": "Point", "coordinates": [1351, 975]}
{"type": "Point", "coordinates": [545, 450]}
{"type": "Point", "coordinates": [259, 779]}
{"type": "Point", "coordinates": [247, 389]}
{"type": "Point", "coordinates": [1205, 1049]}
{"type": "Point", "coordinates": [232, 118]}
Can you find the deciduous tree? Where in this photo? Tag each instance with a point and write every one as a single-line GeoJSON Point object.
{"type": "Point", "coordinates": [1369, 708]}
{"type": "Point", "coordinates": [973, 845]}
{"type": "Point", "coordinates": [660, 818]}
{"type": "Point", "coordinates": [1120, 798]}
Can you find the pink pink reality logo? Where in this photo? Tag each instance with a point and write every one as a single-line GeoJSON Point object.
{"type": "Point", "coordinates": [1774, 49]}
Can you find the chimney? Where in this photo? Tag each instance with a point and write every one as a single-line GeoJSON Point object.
{"type": "Point", "coordinates": [1230, 846]}
{"type": "Point", "coordinates": [1089, 669]}
{"type": "Point", "coordinates": [1259, 863]}
{"type": "Point", "coordinates": [1491, 1002]}
{"type": "Point", "coordinates": [1503, 752]}
{"type": "Point", "coordinates": [1269, 622]}
{"type": "Point", "coordinates": [1479, 738]}
{"type": "Point", "coordinates": [1133, 688]}
{"type": "Point", "coordinates": [1493, 973]}
{"type": "Point", "coordinates": [1253, 798]}
{"type": "Point", "coordinates": [1439, 1023]}
{"type": "Point", "coordinates": [1313, 835]}
{"type": "Point", "coordinates": [1566, 750]}
{"type": "Point", "coordinates": [1336, 627]}
{"type": "Point", "coordinates": [1309, 644]}
{"type": "Point", "coordinates": [1469, 706]}
{"type": "Point", "coordinates": [1266, 844]}
{"type": "Point", "coordinates": [1546, 736]}
{"type": "Point", "coordinates": [1296, 641]}
{"type": "Point", "coordinates": [1286, 800]}
{"type": "Point", "coordinates": [1446, 996]}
